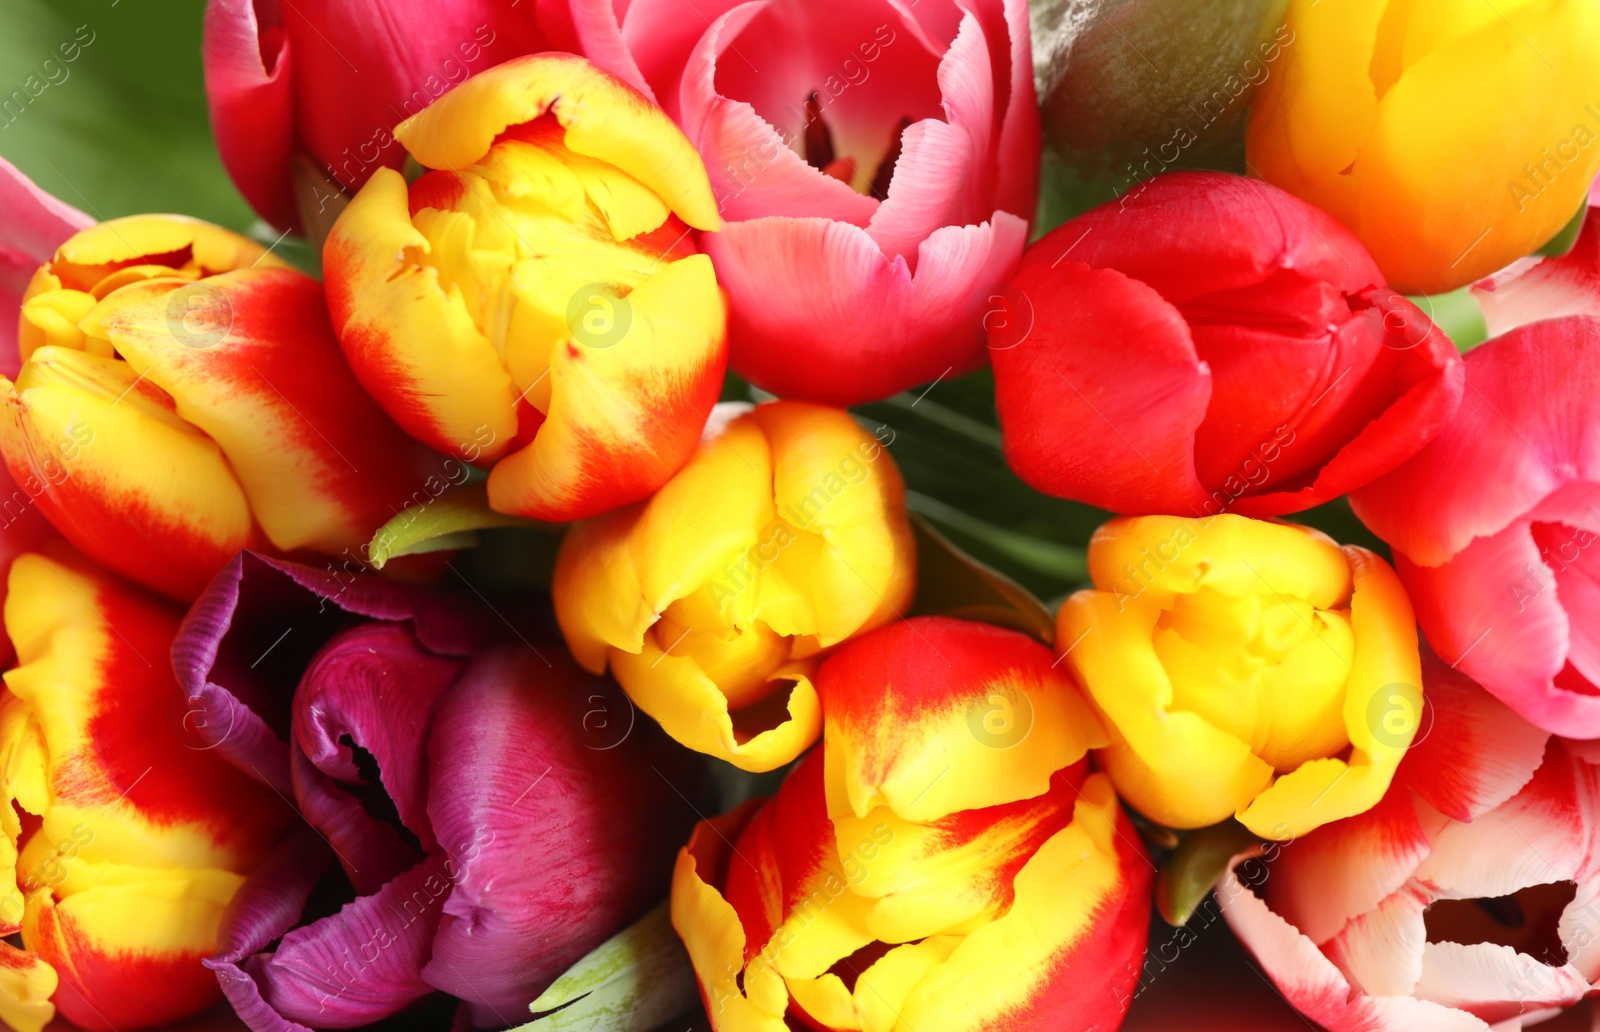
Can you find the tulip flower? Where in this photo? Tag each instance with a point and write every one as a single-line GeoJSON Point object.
{"type": "Point", "coordinates": [322, 82]}
{"type": "Point", "coordinates": [1451, 138]}
{"type": "Point", "coordinates": [1246, 669]}
{"type": "Point", "coordinates": [538, 297]}
{"type": "Point", "coordinates": [1211, 344]}
{"type": "Point", "coordinates": [182, 396]}
{"type": "Point", "coordinates": [784, 535]}
{"type": "Point", "coordinates": [1465, 900]}
{"type": "Point", "coordinates": [124, 841]}
{"type": "Point", "coordinates": [876, 164]}
{"type": "Point", "coordinates": [485, 812]}
{"type": "Point", "coordinates": [945, 861]}
{"type": "Point", "coordinates": [35, 226]}
{"type": "Point", "coordinates": [1545, 288]}
{"type": "Point", "coordinates": [1493, 525]}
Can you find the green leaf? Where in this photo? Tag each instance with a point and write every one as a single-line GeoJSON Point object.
{"type": "Point", "coordinates": [1194, 867]}
{"type": "Point", "coordinates": [635, 981]}
{"type": "Point", "coordinates": [1457, 315]}
{"type": "Point", "coordinates": [952, 583]}
{"type": "Point", "coordinates": [445, 522]}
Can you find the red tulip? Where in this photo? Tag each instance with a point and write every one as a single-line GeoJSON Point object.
{"type": "Point", "coordinates": [1211, 344]}
{"type": "Point", "coordinates": [329, 79]}
{"type": "Point", "coordinates": [1495, 524]}
{"type": "Point", "coordinates": [875, 163]}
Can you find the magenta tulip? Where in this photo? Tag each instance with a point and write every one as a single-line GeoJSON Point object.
{"type": "Point", "coordinates": [875, 163]}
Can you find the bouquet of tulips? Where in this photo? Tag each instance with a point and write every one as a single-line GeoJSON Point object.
{"type": "Point", "coordinates": [796, 514]}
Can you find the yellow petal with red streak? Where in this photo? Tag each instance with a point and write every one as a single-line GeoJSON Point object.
{"type": "Point", "coordinates": [26, 985]}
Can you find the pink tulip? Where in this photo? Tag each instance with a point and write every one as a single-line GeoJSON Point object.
{"type": "Point", "coordinates": [1544, 288]}
{"type": "Point", "coordinates": [329, 79]}
{"type": "Point", "coordinates": [875, 164]}
{"type": "Point", "coordinates": [1469, 897]}
{"type": "Point", "coordinates": [35, 224]}
{"type": "Point", "coordinates": [1495, 524]}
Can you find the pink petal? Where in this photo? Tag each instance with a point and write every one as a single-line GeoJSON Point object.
{"type": "Point", "coordinates": [35, 224]}
{"type": "Point", "coordinates": [1380, 951]}
{"type": "Point", "coordinates": [818, 312]}
{"type": "Point", "coordinates": [589, 27]}
{"type": "Point", "coordinates": [660, 40]}
{"type": "Point", "coordinates": [1472, 752]}
{"type": "Point", "coordinates": [1529, 423]}
{"type": "Point", "coordinates": [1495, 983]}
{"type": "Point", "coordinates": [753, 171]}
{"type": "Point", "coordinates": [552, 842]}
{"type": "Point", "coordinates": [252, 107]}
{"type": "Point", "coordinates": [1311, 982]}
{"type": "Point", "coordinates": [1544, 288]}
{"type": "Point", "coordinates": [1492, 613]}
{"type": "Point", "coordinates": [1017, 188]}
{"type": "Point", "coordinates": [372, 851]}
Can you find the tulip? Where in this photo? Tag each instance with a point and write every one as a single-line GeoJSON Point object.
{"type": "Point", "coordinates": [539, 297]}
{"type": "Point", "coordinates": [493, 812]}
{"type": "Point", "coordinates": [1210, 344]}
{"type": "Point", "coordinates": [124, 841]}
{"type": "Point", "coordinates": [1451, 138]}
{"type": "Point", "coordinates": [1545, 288]}
{"type": "Point", "coordinates": [945, 861]}
{"type": "Point", "coordinates": [320, 83]}
{"type": "Point", "coordinates": [1246, 669]}
{"type": "Point", "coordinates": [1465, 900]}
{"type": "Point", "coordinates": [877, 167]}
{"type": "Point", "coordinates": [784, 535]}
{"type": "Point", "coordinates": [1493, 525]}
{"type": "Point", "coordinates": [181, 396]}
{"type": "Point", "coordinates": [35, 226]}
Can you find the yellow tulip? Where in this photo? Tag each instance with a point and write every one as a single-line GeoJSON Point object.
{"type": "Point", "coordinates": [538, 297]}
{"type": "Point", "coordinates": [1245, 668]}
{"type": "Point", "coordinates": [784, 535]}
{"type": "Point", "coordinates": [1451, 136]}
{"type": "Point", "coordinates": [123, 842]}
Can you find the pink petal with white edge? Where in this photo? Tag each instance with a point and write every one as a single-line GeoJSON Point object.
{"type": "Point", "coordinates": [753, 172]}
{"type": "Point", "coordinates": [1345, 869]}
{"type": "Point", "coordinates": [1381, 951]}
{"type": "Point", "coordinates": [1579, 929]}
{"type": "Point", "coordinates": [1496, 983]}
{"type": "Point", "coordinates": [35, 224]}
{"type": "Point", "coordinates": [819, 312]}
{"type": "Point", "coordinates": [1494, 614]}
{"type": "Point", "coordinates": [1538, 837]}
{"type": "Point", "coordinates": [1472, 751]}
{"type": "Point", "coordinates": [1528, 424]}
{"type": "Point", "coordinates": [1311, 982]}
{"type": "Point", "coordinates": [1544, 288]}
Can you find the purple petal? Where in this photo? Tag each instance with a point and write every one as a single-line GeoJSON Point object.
{"type": "Point", "coordinates": [359, 965]}
{"type": "Point", "coordinates": [553, 843]}
{"type": "Point", "coordinates": [253, 631]}
{"type": "Point", "coordinates": [372, 852]}
{"type": "Point", "coordinates": [374, 687]}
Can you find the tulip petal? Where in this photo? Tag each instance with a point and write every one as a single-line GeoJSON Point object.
{"type": "Point", "coordinates": [252, 107]}
{"type": "Point", "coordinates": [26, 985]}
{"type": "Point", "coordinates": [919, 698]}
{"type": "Point", "coordinates": [855, 324]}
{"type": "Point", "coordinates": [372, 851]}
{"type": "Point", "coordinates": [36, 225]}
{"type": "Point", "coordinates": [508, 781]}
{"type": "Point", "coordinates": [249, 637]}
{"type": "Point", "coordinates": [361, 964]}
{"type": "Point", "coordinates": [1133, 441]}
{"type": "Point", "coordinates": [1544, 288]}
{"type": "Point", "coordinates": [1381, 950]}
{"type": "Point", "coordinates": [1495, 983]}
{"type": "Point", "coordinates": [322, 466]}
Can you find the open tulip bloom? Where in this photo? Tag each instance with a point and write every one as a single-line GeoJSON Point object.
{"type": "Point", "coordinates": [461, 598]}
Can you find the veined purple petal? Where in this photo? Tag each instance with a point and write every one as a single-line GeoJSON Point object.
{"type": "Point", "coordinates": [249, 636]}
{"type": "Point", "coordinates": [371, 851]}
{"type": "Point", "coordinates": [552, 843]}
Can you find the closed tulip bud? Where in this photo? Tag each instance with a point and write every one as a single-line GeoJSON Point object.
{"type": "Point", "coordinates": [538, 302]}
{"type": "Point", "coordinates": [1450, 137]}
{"type": "Point", "coordinates": [783, 536]}
{"type": "Point", "coordinates": [124, 840]}
{"type": "Point", "coordinates": [182, 396]}
{"type": "Point", "coordinates": [1246, 669]}
{"type": "Point", "coordinates": [926, 868]}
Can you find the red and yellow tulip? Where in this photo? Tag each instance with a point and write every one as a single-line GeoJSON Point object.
{"type": "Point", "coordinates": [1244, 668]}
{"type": "Point", "coordinates": [123, 841]}
{"type": "Point", "coordinates": [539, 296]}
{"type": "Point", "coordinates": [182, 397]}
{"type": "Point", "coordinates": [784, 535]}
{"type": "Point", "coordinates": [945, 861]}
